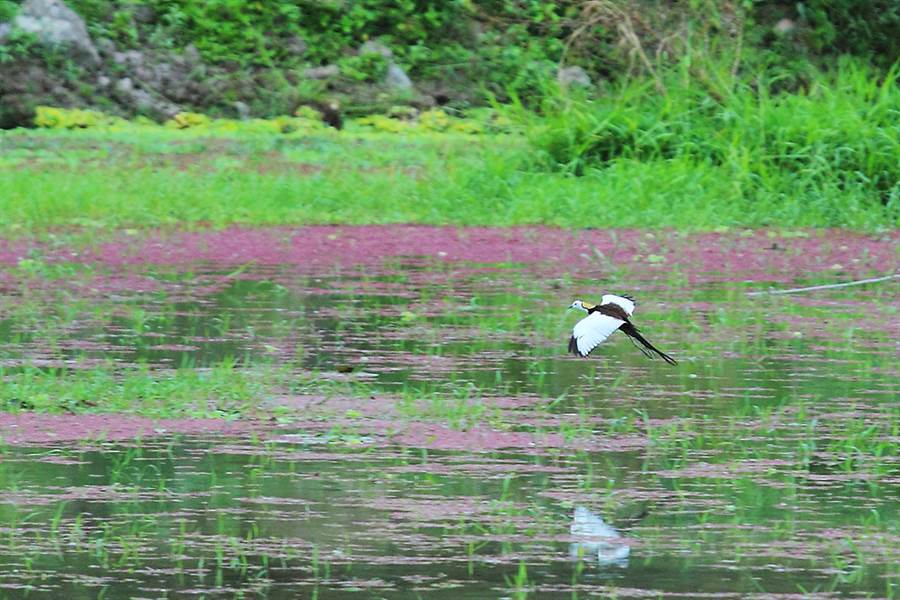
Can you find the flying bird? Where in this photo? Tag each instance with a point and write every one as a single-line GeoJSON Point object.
{"type": "Point", "coordinates": [612, 314]}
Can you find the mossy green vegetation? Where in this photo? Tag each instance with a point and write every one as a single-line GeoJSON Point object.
{"type": "Point", "coordinates": [265, 58]}
{"type": "Point", "coordinates": [226, 390]}
{"type": "Point", "coordinates": [219, 391]}
{"type": "Point", "coordinates": [503, 45]}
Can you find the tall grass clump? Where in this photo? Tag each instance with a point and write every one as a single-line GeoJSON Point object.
{"type": "Point", "coordinates": [828, 154]}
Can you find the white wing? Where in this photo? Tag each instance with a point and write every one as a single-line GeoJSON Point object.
{"type": "Point", "coordinates": [591, 330]}
{"type": "Point", "coordinates": [625, 303]}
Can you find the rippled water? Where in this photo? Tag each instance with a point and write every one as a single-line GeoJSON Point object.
{"type": "Point", "coordinates": [481, 461]}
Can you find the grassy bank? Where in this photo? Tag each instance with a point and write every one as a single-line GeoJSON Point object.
{"type": "Point", "coordinates": [837, 143]}
{"type": "Point", "coordinates": [633, 158]}
{"type": "Point", "coordinates": [138, 180]}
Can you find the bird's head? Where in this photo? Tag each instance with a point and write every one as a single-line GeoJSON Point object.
{"type": "Point", "coordinates": [580, 305]}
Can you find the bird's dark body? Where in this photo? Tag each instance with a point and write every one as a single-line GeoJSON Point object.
{"type": "Point", "coordinates": [610, 310]}
{"type": "Point", "coordinates": [617, 312]}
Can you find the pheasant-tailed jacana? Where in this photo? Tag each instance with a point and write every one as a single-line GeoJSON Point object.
{"type": "Point", "coordinates": [612, 314]}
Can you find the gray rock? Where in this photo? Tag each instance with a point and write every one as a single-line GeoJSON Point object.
{"type": "Point", "coordinates": [165, 75]}
{"type": "Point", "coordinates": [573, 76]}
{"type": "Point", "coordinates": [25, 85]}
{"type": "Point", "coordinates": [322, 72]}
{"type": "Point", "coordinates": [130, 58]}
{"type": "Point", "coordinates": [143, 14]}
{"type": "Point", "coordinates": [169, 75]}
{"type": "Point", "coordinates": [404, 113]}
{"type": "Point", "coordinates": [397, 79]}
{"type": "Point", "coordinates": [148, 74]}
{"type": "Point", "coordinates": [55, 23]}
{"type": "Point", "coordinates": [5, 30]}
{"type": "Point", "coordinates": [124, 86]}
{"type": "Point", "coordinates": [784, 26]}
{"type": "Point", "coordinates": [106, 47]}
{"type": "Point", "coordinates": [242, 110]}
{"type": "Point", "coordinates": [191, 55]}
{"type": "Point", "coordinates": [32, 78]}
{"type": "Point", "coordinates": [143, 101]}
{"type": "Point", "coordinates": [296, 46]}
{"type": "Point", "coordinates": [103, 81]}
{"type": "Point", "coordinates": [372, 47]}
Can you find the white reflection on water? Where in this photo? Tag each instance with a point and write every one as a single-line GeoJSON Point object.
{"type": "Point", "coordinates": [595, 540]}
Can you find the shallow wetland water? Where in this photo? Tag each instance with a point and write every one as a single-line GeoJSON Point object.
{"type": "Point", "coordinates": [419, 431]}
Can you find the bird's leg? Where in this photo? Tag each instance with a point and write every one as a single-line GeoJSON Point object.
{"type": "Point", "coordinates": [643, 350]}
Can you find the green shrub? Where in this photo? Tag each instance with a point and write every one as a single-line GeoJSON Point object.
{"type": "Point", "coordinates": [869, 28]}
{"type": "Point", "coordinates": [430, 121]}
{"type": "Point", "coordinates": [496, 42]}
{"type": "Point", "coordinates": [49, 117]}
{"type": "Point", "coordinates": [364, 67]}
{"type": "Point", "coordinates": [8, 10]}
{"type": "Point", "coordinates": [19, 44]}
{"type": "Point", "coordinates": [843, 134]}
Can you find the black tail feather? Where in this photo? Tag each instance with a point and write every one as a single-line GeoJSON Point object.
{"type": "Point", "coordinates": [573, 346]}
{"type": "Point", "coordinates": [630, 330]}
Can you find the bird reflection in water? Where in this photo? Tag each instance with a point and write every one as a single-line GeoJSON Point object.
{"type": "Point", "coordinates": [594, 540]}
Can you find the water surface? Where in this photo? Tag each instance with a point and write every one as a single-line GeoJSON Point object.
{"type": "Point", "coordinates": [467, 456]}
